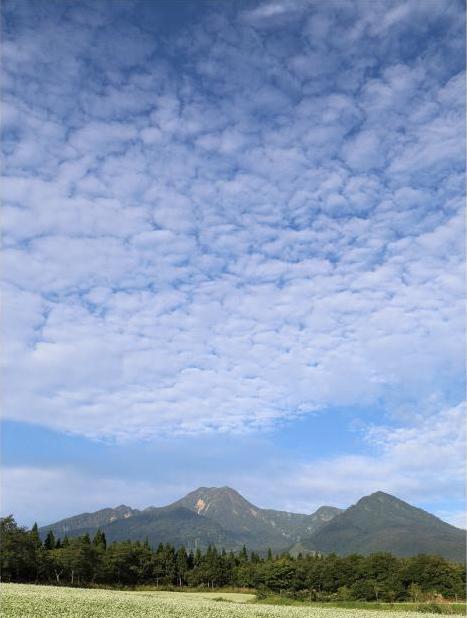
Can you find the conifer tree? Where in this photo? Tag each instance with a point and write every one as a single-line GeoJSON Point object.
{"type": "Point", "coordinates": [49, 542]}
{"type": "Point", "coordinates": [36, 539]}
{"type": "Point", "coordinates": [99, 541]}
{"type": "Point", "coordinates": [243, 554]}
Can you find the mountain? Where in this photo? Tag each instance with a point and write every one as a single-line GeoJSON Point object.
{"type": "Point", "coordinates": [220, 516]}
{"type": "Point", "coordinates": [170, 524]}
{"type": "Point", "coordinates": [209, 515]}
{"type": "Point", "coordinates": [381, 522]}
{"type": "Point", "coordinates": [230, 509]}
{"type": "Point", "coordinates": [89, 522]}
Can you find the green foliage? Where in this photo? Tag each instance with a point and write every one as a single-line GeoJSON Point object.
{"type": "Point", "coordinates": [430, 608]}
{"type": "Point", "coordinates": [18, 556]}
{"type": "Point", "coordinates": [82, 561]}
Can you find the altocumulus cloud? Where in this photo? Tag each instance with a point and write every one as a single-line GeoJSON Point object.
{"type": "Point", "coordinates": [254, 216]}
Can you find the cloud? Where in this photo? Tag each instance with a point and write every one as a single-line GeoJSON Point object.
{"type": "Point", "coordinates": [364, 152]}
{"type": "Point", "coordinates": [421, 463]}
{"type": "Point", "coordinates": [266, 12]}
{"type": "Point", "coordinates": [221, 233]}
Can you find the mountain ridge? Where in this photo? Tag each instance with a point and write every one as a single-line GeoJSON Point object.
{"type": "Point", "coordinates": [221, 516]}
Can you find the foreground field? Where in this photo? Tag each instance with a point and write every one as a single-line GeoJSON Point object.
{"type": "Point", "coordinates": [27, 601]}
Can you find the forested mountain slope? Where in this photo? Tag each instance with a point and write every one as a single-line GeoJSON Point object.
{"type": "Point", "coordinates": [381, 522]}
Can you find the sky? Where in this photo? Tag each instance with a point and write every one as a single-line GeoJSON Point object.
{"type": "Point", "coordinates": [233, 253]}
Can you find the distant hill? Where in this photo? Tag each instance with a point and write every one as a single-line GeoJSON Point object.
{"type": "Point", "coordinates": [220, 516]}
{"type": "Point", "coordinates": [89, 522]}
{"type": "Point", "coordinates": [381, 522]}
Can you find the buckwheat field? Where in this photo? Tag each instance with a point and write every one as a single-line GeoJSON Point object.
{"type": "Point", "coordinates": [28, 601]}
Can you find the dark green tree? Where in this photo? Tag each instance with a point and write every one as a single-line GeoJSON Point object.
{"type": "Point", "coordinates": [49, 542]}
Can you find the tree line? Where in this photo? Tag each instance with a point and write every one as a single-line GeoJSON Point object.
{"type": "Point", "coordinates": [84, 561]}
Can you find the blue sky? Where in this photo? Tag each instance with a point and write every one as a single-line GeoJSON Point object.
{"type": "Point", "coordinates": [233, 252]}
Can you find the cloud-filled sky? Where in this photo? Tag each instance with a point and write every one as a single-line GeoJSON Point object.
{"type": "Point", "coordinates": [233, 251]}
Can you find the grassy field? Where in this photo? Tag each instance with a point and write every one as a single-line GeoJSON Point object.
{"type": "Point", "coordinates": [27, 601]}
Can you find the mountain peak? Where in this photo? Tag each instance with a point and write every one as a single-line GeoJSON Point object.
{"type": "Point", "coordinates": [381, 495]}
{"type": "Point", "coordinates": [225, 489]}
{"type": "Point", "coordinates": [215, 499]}
{"type": "Point", "coordinates": [382, 501]}
{"type": "Point", "coordinates": [378, 497]}
{"type": "Point", "coordinates": [325, 513]}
